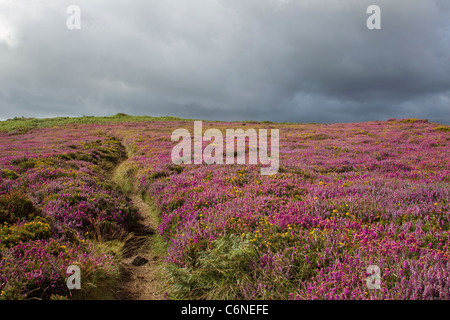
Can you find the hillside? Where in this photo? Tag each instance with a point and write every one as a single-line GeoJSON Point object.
{"type": "Point", "coordinates": [346, 197]}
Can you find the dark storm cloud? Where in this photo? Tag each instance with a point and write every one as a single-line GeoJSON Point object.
{"type": "Point", "coordinates": [280, 60]}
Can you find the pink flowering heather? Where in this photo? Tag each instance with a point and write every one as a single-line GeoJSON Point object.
{"type": "Point", "coordinates": [53, 192]}
{"type": "Point", "coordinates": [346, 196]}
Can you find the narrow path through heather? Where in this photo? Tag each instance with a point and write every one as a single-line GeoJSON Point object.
{"type": "Point", "coordinates": [140, 264]}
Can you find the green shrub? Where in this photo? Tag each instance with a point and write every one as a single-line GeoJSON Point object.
{"type": "Point", "coordinates": [25, 163]}
{"type": "Point", "coordinates": [15, 206]}
{"type": "Point", "coordinates": [156, 175]}
{"type": "Point", "coordinates": [414, 120]}
{"type": "Point", "coordinates": [218, 272]}
{"type": "Point", "coordinates": [8, 174]}
{"type": "Point", "coordinates": [319, 136]}
{"type": "Point", "coordinates": [30, 163]}
{"type": "Point", "coordinates": [443, 128]}
{"type": "Point", "coordinates": [12, 235]}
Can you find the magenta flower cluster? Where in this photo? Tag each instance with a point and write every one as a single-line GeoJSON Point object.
{"type": "Point", "coordinates": [347, 196]}
{"type": "Point", "coordinates": [61, 171]}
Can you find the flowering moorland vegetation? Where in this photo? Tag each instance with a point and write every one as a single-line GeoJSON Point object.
{"type": "Point", "coordinates": [54, 198]}
{"type": "Point", "coordinates": [347, 196]}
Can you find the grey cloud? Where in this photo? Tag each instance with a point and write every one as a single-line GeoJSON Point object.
{"type": "Point", "coordinates": [297, 60]}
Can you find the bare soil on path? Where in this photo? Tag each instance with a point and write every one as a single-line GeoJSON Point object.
{"type": "Point", "coordinates": [141, 278]}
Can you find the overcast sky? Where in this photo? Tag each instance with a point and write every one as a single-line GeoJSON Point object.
{"type": "Point", "coordinates": [279, 60]}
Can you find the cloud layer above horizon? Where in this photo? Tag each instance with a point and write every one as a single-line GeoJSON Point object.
{"type": "Point", "coordinates": [278, 60]}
